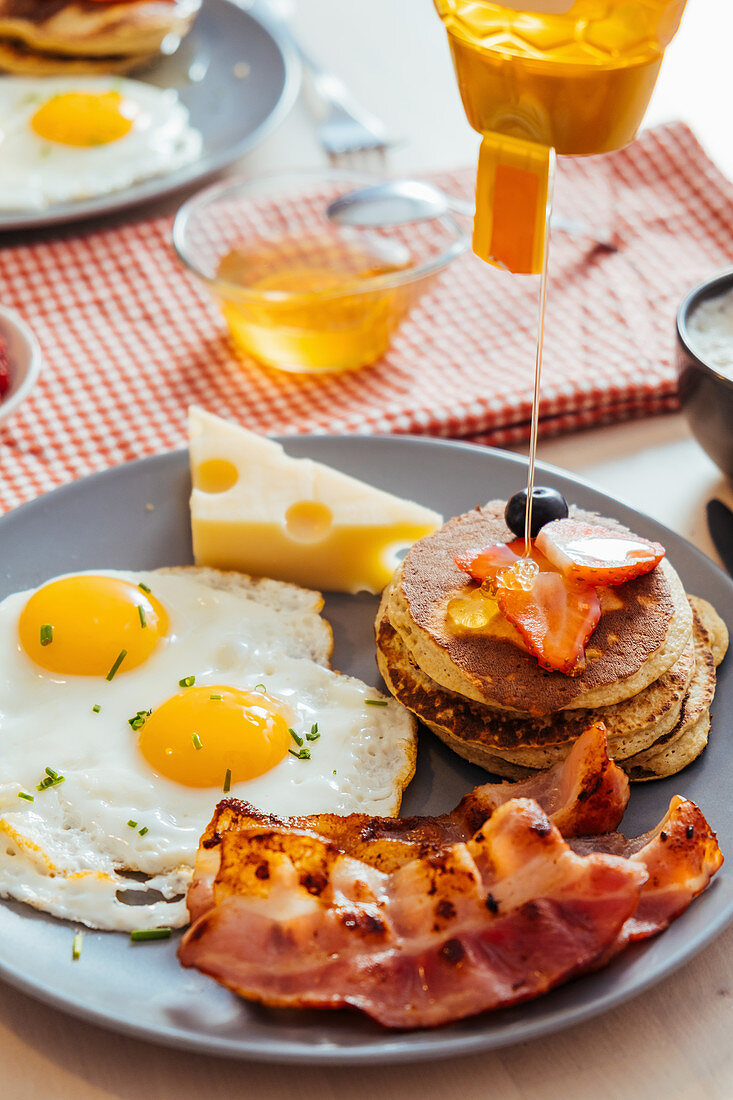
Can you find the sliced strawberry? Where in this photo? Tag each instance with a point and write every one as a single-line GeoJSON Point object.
{"type": "Point", "coordinates": [555, 617]}
{"type": "Point", "coordinates": [597, 555]}
{"type": "Point", "coordinates": [491, 560]}
{"type": "Point", "coordinates": [490, 563]}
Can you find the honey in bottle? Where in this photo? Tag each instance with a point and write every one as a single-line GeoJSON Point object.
{"type": "Point", "coordinates": [573, 76]}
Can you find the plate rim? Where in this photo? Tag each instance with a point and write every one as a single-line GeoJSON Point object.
{"type": "Point", "coordinates": [412, 1045]}
{"type": "Point", "coordinates": [200, 170]}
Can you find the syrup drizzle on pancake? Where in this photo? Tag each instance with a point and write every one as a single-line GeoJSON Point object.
{"type": "Point", "coordinates": [538, 365]}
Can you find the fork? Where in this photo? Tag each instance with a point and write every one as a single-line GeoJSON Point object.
{"type": "Point", "coordinates": [346, 130]}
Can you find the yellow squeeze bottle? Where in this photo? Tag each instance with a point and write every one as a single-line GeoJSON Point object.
{"type": "Point", "coordinates": [544, 76]}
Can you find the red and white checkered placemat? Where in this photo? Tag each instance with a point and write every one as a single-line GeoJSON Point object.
{"type": "Point", "coordinates": [130, 340]}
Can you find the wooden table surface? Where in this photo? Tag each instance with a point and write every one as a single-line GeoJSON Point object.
{"type": "Point", "coordinates": [673, 1041]}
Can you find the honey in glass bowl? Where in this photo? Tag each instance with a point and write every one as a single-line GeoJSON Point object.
{"type": "Point", "coordinates": [297, 291]}
{"type": "Point", "coordinates": [312, 312]}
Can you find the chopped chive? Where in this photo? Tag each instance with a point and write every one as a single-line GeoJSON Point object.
{"type": "Point", "coordinates": [138, 720]}
{"type": "Point", "coordinates": [49, 782]}
{"type": "Point", "coordinates": [76, 946]}
{"type": "Point", "coordinates": [150, 934]}
{"type": "Point", "coordinates": [334, 771]}
{"type": "Point", "coordinates": [298, 740]}
{"type": "Point", "coordinates": [228, 781]}
{"type": "Point", "coordinates": [187, 682]}
{"type": "Point", "coordinates": [144, 588]}
{"type": "Point", "coordinates": [301, 754]}
{"type": "Point", "coordinates": [46, 634]}
{"type": "Point", "coordinates": [260, 687]}
{"type": "Point", "coordinates": [314, 734]}
{"type": "Point", "coordinates": [132, 824]}
{"type": "Point", "coordinates": [143, 831]}
{"type": "Point", "coordinates": [26, 797]}
{"type": "Point", "coordinates": [96, 708]}
{"type": "Point", "coordinates": [52, 773]}
{"type": "Point", "coordinates": [376, 702]}
{"type": "Point", "coordinates": [196, 741]}
{"type": "Point", "coordinates": [215, 697]}
{"type": "Point", "coordinates": [120, 658]}
{"type": "Point", "coordinates": [141, 613]}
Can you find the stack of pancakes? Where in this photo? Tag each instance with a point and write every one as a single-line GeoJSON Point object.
{"type": "Point", "coordinates": [46, 37]}
{"type": "Point", "coordinates": [649, 675]}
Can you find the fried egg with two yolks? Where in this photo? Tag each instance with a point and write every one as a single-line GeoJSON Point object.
{"type": "Point", "coordinates": [130, 704]}
{"type": "Point", "coordinates": [64, 139]}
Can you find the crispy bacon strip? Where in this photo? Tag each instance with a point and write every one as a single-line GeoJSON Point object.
{"type": "Point", "coordinates": [480, 924]}
{"type": "Point", "coordinates": [425, 920]}
{"type": "Point", "coordinates": [585, 794]}
{"type": "Point", "coordinates": [680, 856]}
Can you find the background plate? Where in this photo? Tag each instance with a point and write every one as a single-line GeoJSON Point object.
{"type": "Point", "coordinates": [102, 521]}
{"type": "Point", "coordinates": [232, 113]}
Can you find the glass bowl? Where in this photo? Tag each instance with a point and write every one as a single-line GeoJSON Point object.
{"type": "Point", "coordinates": [299, 292]}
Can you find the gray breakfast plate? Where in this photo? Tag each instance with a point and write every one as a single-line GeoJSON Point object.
{"type": "Point", "coordinates": [233, 112]}
{"type": "Point", "coordinates": [139, 989]}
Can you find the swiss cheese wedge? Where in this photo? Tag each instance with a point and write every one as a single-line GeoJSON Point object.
{"type": "Point", "coordinates": [257, 510]}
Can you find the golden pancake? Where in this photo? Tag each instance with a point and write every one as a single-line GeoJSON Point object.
{"type": "Point", "coordinates": [689, 736]}
{"type": "Point", "coordinates": [495, 765]}
{"type": "Point", "coordinates": [16, 58]}
{"type": "Point", "coordinates": [486, 733]}
{"type": "Point", "coordinates": [677, 756]}
{"type": "Point", "coordinates": [45, 37]}
{"type": "Point", "coordinates": [673, 750]}
{"type": "Point", "coordinates": [644, 629]}
{"type": "Point", "coordinates": [718, 637]}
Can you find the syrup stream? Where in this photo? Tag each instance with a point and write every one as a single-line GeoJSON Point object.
{"type": "Point", "coordinates": [538, 361]}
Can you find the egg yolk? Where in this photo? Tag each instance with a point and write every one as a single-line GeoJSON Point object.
{"type": "Point", "coordinates": [202, 733]}
{"type": "Point", "coordinates": [79, 626]}
{"type": "Point", "coordinates": [84, 118]}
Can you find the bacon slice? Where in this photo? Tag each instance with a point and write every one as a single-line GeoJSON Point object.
{"type": "Point", "coordinates": [680, 856]}
{"type": "Point", "coordinates": [585, 794]}
{"type": "Point", "coordinates": [421, 921]}
{"type": "Point", "coordinates": [498, 919]}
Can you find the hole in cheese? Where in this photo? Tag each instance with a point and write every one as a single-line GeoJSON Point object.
{"type": "Point", "coordinates": [308, 521]}
{"type": "Point", "coordinates": [393, 554]}
{"type": "Point", "coordinates": [216, 476]}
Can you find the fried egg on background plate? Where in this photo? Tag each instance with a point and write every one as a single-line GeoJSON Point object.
{"type": "Point", "coordinates": [205, 696]}
{"type": "Point", "coordinates": [71, 138]}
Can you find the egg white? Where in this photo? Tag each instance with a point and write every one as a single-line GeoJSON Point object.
{"type": "Point", "coordinates": [64, 851]}
{"type": "Point", "coordinates": [36, 173]}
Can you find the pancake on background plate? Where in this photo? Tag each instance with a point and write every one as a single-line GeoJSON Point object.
{"type": "Point", "coordinates": [46, 37]}
{"type": "Point", "coordinates": [649, 673]}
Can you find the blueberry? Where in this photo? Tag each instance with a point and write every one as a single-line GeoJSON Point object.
{"type": "Point", "coordinates": [547, 504]}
